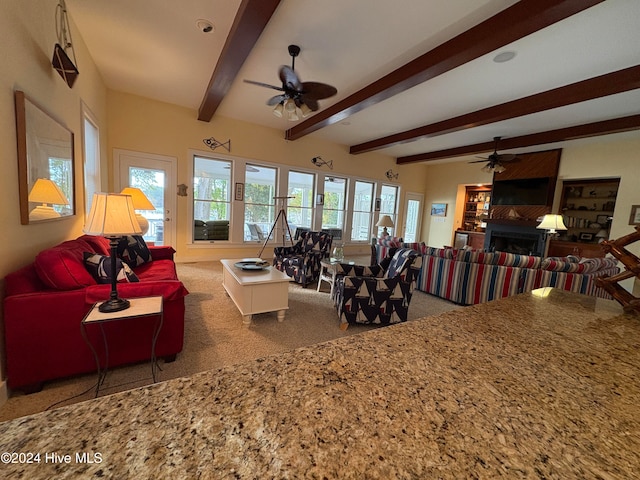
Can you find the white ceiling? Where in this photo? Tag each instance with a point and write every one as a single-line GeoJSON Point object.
{"type": "Point", "coordinates": [154, 49]}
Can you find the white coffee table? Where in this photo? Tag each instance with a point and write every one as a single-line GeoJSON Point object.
{"type": "Point", "coordinates": [256, 291]}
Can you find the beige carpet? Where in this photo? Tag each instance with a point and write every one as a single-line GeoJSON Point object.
{"type": "Point", "coordinates": [216, 337]}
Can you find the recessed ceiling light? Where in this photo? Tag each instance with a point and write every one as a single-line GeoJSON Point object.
{"type": "Point", "coordinates": [205, 26]}
{"type": "Point", "coordinates": [504, 56]}
{"type": "Point", "coordinates": [346, 122]}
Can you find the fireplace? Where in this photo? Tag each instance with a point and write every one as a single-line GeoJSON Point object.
{"type": "Point", "coordinates": [512, 238]}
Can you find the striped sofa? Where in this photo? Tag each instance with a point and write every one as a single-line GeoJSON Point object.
{"type": "Point", "coordinates": [469, 277]}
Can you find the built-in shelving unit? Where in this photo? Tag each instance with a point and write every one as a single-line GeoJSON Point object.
{"type": "Point", "coordinates": [476, 208]}
{"type": "Point", "coordinates": [587, 208]}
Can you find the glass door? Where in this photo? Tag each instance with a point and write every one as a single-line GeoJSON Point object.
{"type": "Point", "coordinates": [152, 174]}
{"type": "Point", "coordinates": [413, 217]}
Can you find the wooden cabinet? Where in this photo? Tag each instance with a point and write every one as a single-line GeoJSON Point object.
{"type": "Point", "coordinates": [587, 209]}
{"type": "Point", "coordinates": [559, 248]}
{"type": "Point", "coordinates": [476, 208]}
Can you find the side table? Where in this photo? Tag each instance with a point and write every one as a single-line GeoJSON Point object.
{"type": "Point", "coordinates": [140, 307]}
{"type": "Point", "coordinates": [328, 272]}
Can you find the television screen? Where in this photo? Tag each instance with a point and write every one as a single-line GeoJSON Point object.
{"type": "Point", "coordinates": [529, 191]}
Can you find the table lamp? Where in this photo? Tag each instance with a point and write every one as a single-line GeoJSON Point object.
{"type": "Point", "coordinates": [46, 191]}
{"type": "Point", "coordinates": [140, 202]}
{"type": "Point", "coordinates": [551, 223]}
{"type": "Point", "coordinates": [112, 216]}
{"type": "Point", "coordinates": [385, 221]}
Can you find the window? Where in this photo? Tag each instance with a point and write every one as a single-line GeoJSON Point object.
{"type": "Point", "coordinates": [300, 208]}
{"type": "Point", "coordinates": [91, 145]}
{"type": "Point", "coordinates": [388, 202]}
{"type": "Point", "coordinates": [335, 196]}
{"type": "Point", "coordinates": [259, 205]}
{"type": "Point", "coordinates": [362, 211]}
{"type": "Point", "coordinates": [211, 198]}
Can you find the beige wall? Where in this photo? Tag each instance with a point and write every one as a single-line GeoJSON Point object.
{"type": "Point", "coordinates": [27, 38]}
{"type": "Point", "coordinates": [144, 125]}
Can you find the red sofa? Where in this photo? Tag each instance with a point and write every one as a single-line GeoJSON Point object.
{"type": "Point", "coordinates": [46, 301]}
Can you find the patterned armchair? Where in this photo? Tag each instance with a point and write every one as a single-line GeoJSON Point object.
{"type": "Point", "coordinates": [302, 260]}
{"type": "Point", "coordinates": [375, 294]}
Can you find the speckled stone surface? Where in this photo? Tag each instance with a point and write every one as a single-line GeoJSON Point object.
{"type": "Point", "coordinates": [525, 387]}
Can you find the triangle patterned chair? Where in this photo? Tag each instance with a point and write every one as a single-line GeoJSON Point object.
{"type": "Point", "coordinates": [377, 295]}
{"type": "Point", "coordinates": [302, 260]}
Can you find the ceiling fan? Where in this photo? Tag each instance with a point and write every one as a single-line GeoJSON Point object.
{"type": "Point", "coordinates": [494, 161]}
{"type": "Point", "coordinates": [303, 95]}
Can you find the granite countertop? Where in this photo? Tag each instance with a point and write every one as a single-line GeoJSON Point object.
{"type": "Point", "coordinates": [540, 385]}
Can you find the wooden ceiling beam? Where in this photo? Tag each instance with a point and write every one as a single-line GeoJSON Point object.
{"type": "Point", "coordinates": [511, 24]}
{"type": "Point", "coordinates": [250, 21]}
{"type": "Point", "coordinates": [605, 127]}
{"type": "Point", "coordinates": [601, 86]}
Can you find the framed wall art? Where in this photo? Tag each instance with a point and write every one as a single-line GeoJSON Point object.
{"type": "Point", "coordinates": [439, 209]}
{"type": "Point", "coordinates": [634, 218]}
{"type": "Point", "coordinates": [239, 195]}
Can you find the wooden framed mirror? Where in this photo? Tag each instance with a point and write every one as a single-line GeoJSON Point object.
{"type": "Point", "coordinates": [45, 164]}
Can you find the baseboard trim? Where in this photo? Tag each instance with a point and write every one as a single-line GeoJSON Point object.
{"type": "Point", "coordinates": [4, 393]}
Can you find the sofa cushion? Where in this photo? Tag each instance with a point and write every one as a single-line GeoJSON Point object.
{"type": "Point", "coordinates": [99, 266]}
{"type": "Point", "coordinates": [99, 244]}
{"type": "Point", "coordinates": [62, 267]}
{"type": "Point", "coordinates": [597, 264]}
{"type": "Point", "coordinates": [475, 256]}
{"type": "Point", "coordinates": [441, 252]}
{"type": "Point", "coordinates": [516, 260]}
{"type": "Point", "coordinates": [556, 265]}
{"type": "Point", "coordinates": [419, 247]}
{"type": "Point", "coordinates": [133, 250]}
{"type": "Point", "coordinates": [158, 270]}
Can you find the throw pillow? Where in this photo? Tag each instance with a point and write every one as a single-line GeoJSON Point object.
{"type": "Point", "coordinates": [133, 250]}
{"type": "Point", "coordinates": [99, 266]}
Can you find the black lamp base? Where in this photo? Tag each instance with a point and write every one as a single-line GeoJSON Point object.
{"type": "Point", "coordinates": [114, 305]}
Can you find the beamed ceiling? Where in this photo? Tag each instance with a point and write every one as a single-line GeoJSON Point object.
{"type": "Point", "coordinates": [416, 79]}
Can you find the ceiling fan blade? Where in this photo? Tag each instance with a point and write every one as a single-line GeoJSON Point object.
{"type": "Point", "coordinates": [506, 157]}
{"type": "Point", "coordinates": [484, 160]}
{"type": "Point", "coordinates": [260, 84]}
{"type": "Point", "coordinates": [277, 99]}
{"type": "Point", "coordinates": [317, 90]}
{"type": "Point", "coordinates": [290, 79]}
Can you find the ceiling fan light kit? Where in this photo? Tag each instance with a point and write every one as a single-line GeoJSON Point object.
{"type": "Point", "coordinates": [494, 161]}
{"type": "Point", "coordinates": [296, 95]}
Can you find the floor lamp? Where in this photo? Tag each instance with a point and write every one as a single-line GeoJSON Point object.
{"type": "Point", "coordinates": [112, 216]}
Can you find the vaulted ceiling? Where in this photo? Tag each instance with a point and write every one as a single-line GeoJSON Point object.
{"type": "Point", "coordinates": [418, 80]}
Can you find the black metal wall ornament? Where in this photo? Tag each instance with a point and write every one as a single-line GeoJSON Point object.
{"type": "Point", "coordinates": [212, 143]}
{"type": "Point", "coordinates": [61, 61]}
{"type": "Point", "coordinates": [390, 175]}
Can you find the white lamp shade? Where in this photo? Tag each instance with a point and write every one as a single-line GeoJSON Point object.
{"type": "Point", "coordinates": [385, 221]}
{"type": "Point", "coordinates": [306, 111]}
{"type": "Point", "coordinates": [278, 110]}
{"type": "Point", "coordinates": [552, 223]}
{"type": "Point", "coordinates": [47, 191]}
{"type": "Point", "coordinates": [112, 215]}
{"type": "Point", "coordinates": [140, 200]}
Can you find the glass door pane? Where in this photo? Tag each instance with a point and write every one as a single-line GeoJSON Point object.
{"type": "Point", "coordinates": [151, 182]}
